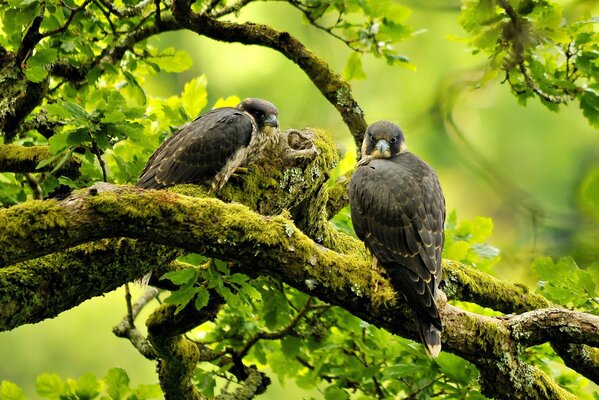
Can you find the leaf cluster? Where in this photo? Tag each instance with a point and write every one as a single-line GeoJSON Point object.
{"type": "Point", "coordinates": [114, 385]}
{"type": "Point", "coordinates": [538, 50]}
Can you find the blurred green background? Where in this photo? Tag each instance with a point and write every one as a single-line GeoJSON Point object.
{"type": "Point", "coordinates": [521, 166]}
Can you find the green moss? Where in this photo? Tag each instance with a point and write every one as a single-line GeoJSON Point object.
{"type": "Point", "coordinates": [469, 284]}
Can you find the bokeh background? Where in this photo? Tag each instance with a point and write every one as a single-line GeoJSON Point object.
{"type": "Point", "coordinates": [521, 166]}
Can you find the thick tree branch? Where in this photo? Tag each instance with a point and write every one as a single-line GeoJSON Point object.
{"type": "Point", "coordinates": [232, 231]}
{"type": "Point", "coordinates": [21, 159]}
{"type": "Point", "coordinates": [42, 288]}
{"type": "Point", "coordinates": [555, 325]}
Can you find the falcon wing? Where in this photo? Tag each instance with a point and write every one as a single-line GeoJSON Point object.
{"type": "Point", "coordinates": [198, 150]}
{"type": "Point", "coordinates": [398, 210]}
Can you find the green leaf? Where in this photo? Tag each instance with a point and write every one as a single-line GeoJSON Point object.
{"type": "Point", "coordinates": [335, 393]}
{"type": "Point", "coordinates": [205, 382]}
{"type": "Point", "coordinates": [47, 161]}
{"type": "Point", "coordinates": [353, 69]}
{"type": "Point", "coordinates": [87, 386]}
{"type": "Point", "coordinates": [377, 8]}
{"type": "Point", "coordinates": [134, 89]}
{"type": "Point", "coordinates": [36, 73]}
{"type": "Point", "coordinates": [117, 383]}
{"type": "Point", "coordinates": [181, 297]}
{"type": "Point", "coordinates": [49, 386]}
{"type": "Point", "coordinates": [182, 276]}
{"type": "Point", "coordinates": [148, 392]}
{"type": "Point", "coordinates": [202, 298]}
{"type": "Point", "coordinates": [113, 116]}
{"type": "Point", "coordinates": [194, 96]}
{"type": "Point", "coordinates": [171, 60]}
{"type": "Point", "coordinates": [10, 391]}
{"type": "Point", "coordinates": [456, 368]}
{"type": "Point", "coordinates": [589, 103]}
{"type": "Point", "coordinates": [42, 57]}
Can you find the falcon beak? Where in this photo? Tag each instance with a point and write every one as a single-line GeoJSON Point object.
{"type": "Point", "coordinates": [382, 149]}
{"type": "Point", "coordinates": [271, 120]}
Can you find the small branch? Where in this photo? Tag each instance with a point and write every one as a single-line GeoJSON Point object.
{"type": "Point", "coordinates": [277, 334]}
{"type": "Point", "coordinates": [38, 193]}
{"type": "Point", "coordinates": [126, 328]}
{"type": "Point", "coordinates": [209, 7]}
{"type": "Point", "coordinates": [542, 94]}
{"type": "Point", "coordinates": [98, 153]}
{"type": "Point", "coordinates": [255, 384]}
{"type": "Point", "coordinates": [555, 325]}
{"type": "Point", "coordinates": [66, 25]}
{"type": "Point", "coordinates": [233, 8]}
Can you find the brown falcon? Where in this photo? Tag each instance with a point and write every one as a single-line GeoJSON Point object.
{"type": "Point", "coordinates": [211, 148]}
{"type": "Point", "coordinates": [398, 210]}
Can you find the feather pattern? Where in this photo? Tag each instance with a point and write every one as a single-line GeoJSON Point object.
{"type": "Point", "coordinates": [398, 210]}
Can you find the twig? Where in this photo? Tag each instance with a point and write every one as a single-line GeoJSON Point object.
{"type": "Point", "coordinates": [63, 28]}
{"type": "Point", "coordinates": [126, 327]}
{"type": "Point", "coordinates": [277, 334]}
{"type": "Point", "coordinates": [33, 183]}
{"type": "Point", "coordinates": [535, 88]}
{"type": "Point", "coordinates": [233, 8]}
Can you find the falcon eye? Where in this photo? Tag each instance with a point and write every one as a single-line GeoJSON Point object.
{"type": "Point", "coordinates": [371, 137]}
{"type": "Point", "coordinates": [393, 140]}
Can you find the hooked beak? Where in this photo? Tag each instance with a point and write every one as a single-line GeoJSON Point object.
{"type": "Point", "coordinates": [271, 120]}
{"type": "Point", "coordinates": [382, 149]}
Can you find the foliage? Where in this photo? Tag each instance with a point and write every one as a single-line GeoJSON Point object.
{"type": "Point", "coordinates": [538, 54]}
{"type": "Point", "coordinates": [115, 385]}
{"type": "Point", "coordinates": [316, 345]}
{"type": "Point", "coordinates": [466, 242]}
{"type": "Point", "coordinates": [564, 283]}
{"type": "Point", "coordinates": [367, 27]}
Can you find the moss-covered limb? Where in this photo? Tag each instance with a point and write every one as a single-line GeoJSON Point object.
{"type": "Point", "coordinates": [232, 231]}
{"type": "Point", "coordinates": [252, 386]}
{"type": "Point", "coordinates": [337, 194]}
{"type": "Point", "coordinates": [555, 325]}
{"type": "Point", "coordinates": [178, 355]}
{"type": "Point", "coordinates": [176, 367]}
{"type": "Point", "coordinates": [488, 343]}
{"type": "Point", "coordinates": [582, 359]}
{"type": "Point", "coordinates": [461, 282]}
{"type": "Point", "coordinates": [330, 84]}
{"type": "Point", "coordinates": [43, 288]}
{"type": "Point", "coordinates": [18, 96]}
{"type": "Point", "coordinates": [510, 378]}
{"type": "Point", "coordinates": [21, 159]}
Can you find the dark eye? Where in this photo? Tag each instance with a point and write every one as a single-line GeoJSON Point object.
{"type": "Point", "coordinates": [371, 137]}
{"type": "Point", "coordinates": [393, 140]}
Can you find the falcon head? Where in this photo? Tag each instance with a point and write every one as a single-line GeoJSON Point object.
{"type": "Point", "coordinates": [264, 113]}
{"type": "Point", "coordinates": [383, 139]}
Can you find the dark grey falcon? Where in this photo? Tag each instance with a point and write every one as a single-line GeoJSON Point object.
{"type": "Point", "coordinates": [398, 210]}
{"type": "Point", "coordinates": [210, 149]}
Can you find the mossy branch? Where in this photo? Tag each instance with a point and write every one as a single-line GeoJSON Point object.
{"type": "Point", "coordinates": [21, 159]}
{"type": "Point", "coordinates": [234, 232]}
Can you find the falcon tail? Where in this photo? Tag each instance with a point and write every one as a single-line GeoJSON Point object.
{"type": "Point", "coordinates": [431, 338]}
